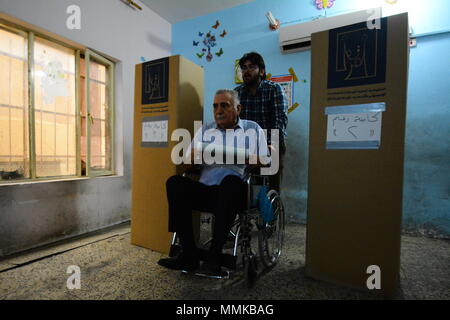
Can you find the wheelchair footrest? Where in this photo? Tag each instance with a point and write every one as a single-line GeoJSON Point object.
{"type": "Point", "coordinates": [199, 273]}
{"type": "Point", "coordinates": [228, 260]}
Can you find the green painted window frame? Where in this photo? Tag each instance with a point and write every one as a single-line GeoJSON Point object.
{"type": "Point", "coordinates": [17, 31]}
{"type": "Point", "coordinates": [89, 55]}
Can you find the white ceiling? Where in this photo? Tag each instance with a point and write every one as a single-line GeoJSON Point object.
{"type": "Point", "coordinates": [178, 10]}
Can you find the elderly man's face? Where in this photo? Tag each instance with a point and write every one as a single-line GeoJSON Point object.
{"type": "Point", "coordinates": [225, 113]}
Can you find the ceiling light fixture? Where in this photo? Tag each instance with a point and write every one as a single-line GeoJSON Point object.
{"type": "Point", "coordinates": [274, 24]}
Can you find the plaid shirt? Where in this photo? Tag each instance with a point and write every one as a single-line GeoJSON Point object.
{"type": "Point", "coordinates": [268, 107]}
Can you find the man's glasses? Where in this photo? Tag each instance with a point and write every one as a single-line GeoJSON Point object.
{"type": "Point", "coordinates": [249, 67]}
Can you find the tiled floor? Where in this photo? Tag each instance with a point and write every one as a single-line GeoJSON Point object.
{"type": "Point", "coordinates": [112, 268]}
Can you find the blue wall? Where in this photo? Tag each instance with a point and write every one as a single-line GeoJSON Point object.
{"type": "Point", "coordinates": [427, 152]}
{"type": "Point", "coordinates": [426, 188]}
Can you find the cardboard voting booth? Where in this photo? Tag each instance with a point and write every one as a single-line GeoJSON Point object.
{"type": "Point", "coordinates": [357, 130]}
{"type": "Point", "coordinates": [168, 96]}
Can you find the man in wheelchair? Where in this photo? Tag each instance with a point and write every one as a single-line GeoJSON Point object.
{"type": "Point", "coordinates": [221, 189]}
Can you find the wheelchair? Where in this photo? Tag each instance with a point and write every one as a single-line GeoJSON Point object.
{"type": "Point", "coordinates": [250, 227]}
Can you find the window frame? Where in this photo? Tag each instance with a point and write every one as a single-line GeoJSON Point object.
{"type": "Point", "coordinates": [30, 33]}
{"type": "Point", "coordinates": [88, 55]}
{"type": "Point", "coordinates": [25, 35]}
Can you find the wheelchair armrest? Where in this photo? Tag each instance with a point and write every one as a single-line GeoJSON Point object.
{"type": "Point", "coordinates": [193, 170]}
{"type": "Point", "coordinates": [251, 171]}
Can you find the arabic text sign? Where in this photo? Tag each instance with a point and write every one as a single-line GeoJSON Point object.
{"type": "Point", "coordinates": [155, 131]}
{"type": "Point", "coordinates": [354, 127]}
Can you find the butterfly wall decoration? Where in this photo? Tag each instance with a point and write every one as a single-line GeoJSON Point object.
{"type": "Point", "coordinates": [216, 25]}
{"type": "Point", "coordinates": [208, 41]}
{"type": "Point", "coordinates": [324, 4]}
{"type": "Point", "coordinates": [219, 53]}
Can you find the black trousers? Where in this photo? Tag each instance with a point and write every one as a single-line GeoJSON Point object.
{"type": "Point", "coordinates": [224, 201]}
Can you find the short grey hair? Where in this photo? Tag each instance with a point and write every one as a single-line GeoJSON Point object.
{"type": "Point", "coordinates": [233, 93]}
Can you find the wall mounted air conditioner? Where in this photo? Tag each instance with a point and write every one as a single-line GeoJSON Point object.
{"type": "Point", "coordinates": [297, 37]}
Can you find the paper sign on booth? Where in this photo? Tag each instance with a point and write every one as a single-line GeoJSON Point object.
{"type": "Point", "coordinates": [155, 131]}
{"type": "Point", "coordinates": [355, 126]}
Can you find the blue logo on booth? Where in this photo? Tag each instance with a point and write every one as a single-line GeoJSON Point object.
{"type": "Point", "coordinates": [357, 55]}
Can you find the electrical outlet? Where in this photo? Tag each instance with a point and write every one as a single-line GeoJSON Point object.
{"type": "Point", "coordinates": [412, 43]}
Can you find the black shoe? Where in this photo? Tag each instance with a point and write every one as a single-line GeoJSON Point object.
{"type": "Point", "coordinates": [182, 261]}
{"type": "Point", "coordinates": [212, 268]}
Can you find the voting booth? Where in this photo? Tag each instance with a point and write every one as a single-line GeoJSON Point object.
{"type": "Point", "coordinates": [357, 132]}
{"type": "Point", "coordinates": [168, 96]}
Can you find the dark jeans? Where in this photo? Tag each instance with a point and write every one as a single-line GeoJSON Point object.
{"type": "Point", "coordinates": [224, 201]}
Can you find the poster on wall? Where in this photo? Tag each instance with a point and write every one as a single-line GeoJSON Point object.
{"type": "Point", "coordinates": [357, 55]}
{"type": "Point", "coordinates": [237, 72]}
{"type": "Point", "coordinates": [155, 81]}
{"type": "Point", "coordinates": [287, 83]}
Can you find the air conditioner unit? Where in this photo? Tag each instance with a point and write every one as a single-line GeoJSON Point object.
{"type": "Point", "coordinates": [297, 37]}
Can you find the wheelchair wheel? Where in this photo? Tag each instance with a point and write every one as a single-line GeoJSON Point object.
{"type": "Point", "coordinates": [271, 234]}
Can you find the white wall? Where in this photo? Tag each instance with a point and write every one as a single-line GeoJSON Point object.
{"type": "Point", "coordinates": [39, 213]}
